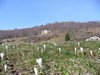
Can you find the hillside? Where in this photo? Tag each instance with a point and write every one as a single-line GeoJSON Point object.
{"type": "Point", "coordinates": [57, 58]}
{"type": "Point", "coordinates": [77, 30]}
{"type": "Point", "coordinates": [43, 48]}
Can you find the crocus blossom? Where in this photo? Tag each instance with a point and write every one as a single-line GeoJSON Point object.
{"type": "Point", "coordinates": [75, 50]}
{"type": "Point", "coordinates": [59, 50]}
{"type": "Point", "coordinates": [39, 61]}
{"type": "Point", "coordinates": [91, 52]}
{"type": "Point", "coordinates": [36, 71]}
{"type": "Point", "coordinates": [6, 47]}
{"type": "Point", "coordinates": [5, 67]}
{"type": "Point", "coordinates": [2, 55]}
{"type": "Point", "coordinates": [81, 49]}
{"type": "Point", "coordinates": [78, 43]}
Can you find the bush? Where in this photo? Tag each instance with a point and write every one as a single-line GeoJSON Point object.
{"type": "Point", "coordinates": [67, 38]}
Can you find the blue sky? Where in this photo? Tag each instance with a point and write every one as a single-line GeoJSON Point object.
{"type": "Point", "coordinates": [29, 13]}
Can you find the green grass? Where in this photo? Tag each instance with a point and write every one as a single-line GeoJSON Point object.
{"type": "Point", "coordinates": [23, 56]}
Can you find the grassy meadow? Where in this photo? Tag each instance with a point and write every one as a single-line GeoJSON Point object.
{"type": "Point", "coordinates": [58, 58]}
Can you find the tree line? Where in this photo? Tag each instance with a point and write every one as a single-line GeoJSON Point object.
{"type": "Point", "coordinates": [57, 26]}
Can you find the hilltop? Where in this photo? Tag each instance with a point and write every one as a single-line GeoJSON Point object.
{"type": "Point", "coordinates": [76, 30]}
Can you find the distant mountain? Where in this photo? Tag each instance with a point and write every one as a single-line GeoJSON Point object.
{"type": "Point", "coordinates": [57, 27]}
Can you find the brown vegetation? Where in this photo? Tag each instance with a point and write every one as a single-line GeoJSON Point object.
{"type": "Point", "coordinates": [73, 28]}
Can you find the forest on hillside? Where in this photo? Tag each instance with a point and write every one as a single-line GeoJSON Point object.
{"type": "Point", "coordinates": [92, 27]}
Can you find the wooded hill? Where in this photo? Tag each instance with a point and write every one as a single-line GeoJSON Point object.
{"type": "Point", "coordinates": [92, 27]}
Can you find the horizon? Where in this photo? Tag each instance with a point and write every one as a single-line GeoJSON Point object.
{"type": "Point", "coordinates": [47, 24]}
{"type": "Point", "coordinates": [25, 14]}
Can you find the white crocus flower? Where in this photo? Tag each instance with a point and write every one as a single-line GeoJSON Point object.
{"type": "Point", "coordinates": [39, 61]}
{"type": "Point", "coordinates": [59, 50]}
{"type": "Point", "coordinates": [2, 55]}
{"type": "Point", "coordinates": [13, 46]}
{"type": "Point", "coordinates": [36, 71]}
{"type": "Point", "coordinates": [81, 49]}
{"type": "Point", "coordinates": [78, 43]}
{"type": "Point", "coordinates": [55, 44]}
{"type": "Point", "coordinates": [91, 52]}
{"type": "Point", "coordinates": [44, 46]}
{"type": "Point", "coordinates": [6, 47]}
{"type": "Point", "coordinates": [98, 48]}
{"type": "Point", "coordinates": [5, 67]}
{"type": "Point", "coordinates": [75, 50]}
{"type": "Point", "coordinates": [2, 44]}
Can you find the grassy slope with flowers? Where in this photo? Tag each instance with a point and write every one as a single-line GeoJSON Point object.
{"type": "Point", "coordinates": [21, 58]}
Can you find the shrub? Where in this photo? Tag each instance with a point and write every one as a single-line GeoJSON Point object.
{"type": "Point", "coordinates": [67, 38]}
